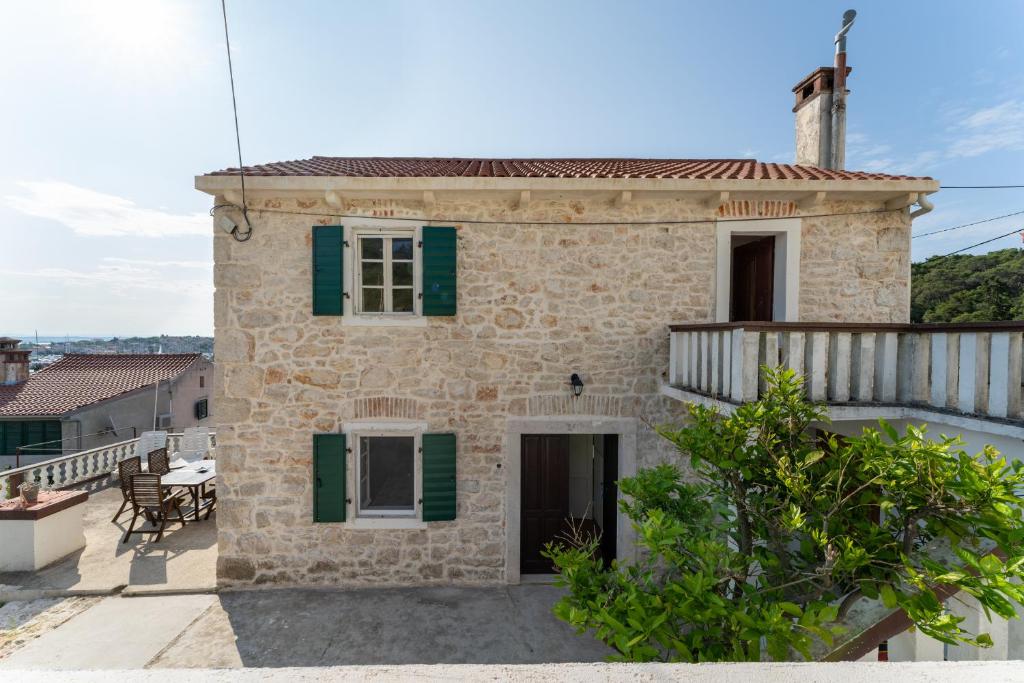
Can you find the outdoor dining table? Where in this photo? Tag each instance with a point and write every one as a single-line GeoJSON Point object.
{"type": "Point", "coordinates": [194, 476]}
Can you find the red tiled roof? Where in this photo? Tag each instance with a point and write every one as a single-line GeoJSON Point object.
{"type": "Point", "coordinates": [421, 167]}
{"type": "Point", "coordinates": [79, 379]}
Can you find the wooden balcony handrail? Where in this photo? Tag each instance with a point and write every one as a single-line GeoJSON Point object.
{"type": "Point", "coordinates": [762, 326]}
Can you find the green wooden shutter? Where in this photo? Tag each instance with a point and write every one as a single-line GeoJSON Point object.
{"type": "Point", "coordinates": [438, 477]}
{"type": "Point", "coordinates": [329, 488]}
{"type": "Point", "coordinates": [35, 434]}
{"type": "Point", "coordinates": [439, 266]}
{"type": "Point", "coordinates": [12, 437]}
{"type": "Point", "coordinates": [54, 436]}
{"type": "Point", "coordinates": [328, 290]}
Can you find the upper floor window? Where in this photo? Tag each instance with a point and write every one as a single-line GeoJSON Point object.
{"type": "Point", "coordinates": [384, 273]}
{"type": "Point", "coordinates": [202, 381]}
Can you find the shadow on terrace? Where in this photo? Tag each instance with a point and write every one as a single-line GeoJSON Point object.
{"type": "Point", "coordinates": [183, 560]}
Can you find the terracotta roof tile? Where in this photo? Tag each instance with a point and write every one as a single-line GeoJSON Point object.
{"type": "Point", "coordinates": [423, 167]}
{"type": "Point", "coordinates": [80, 379]}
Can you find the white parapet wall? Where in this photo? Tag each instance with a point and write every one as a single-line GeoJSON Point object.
{"type": "Point", "coordinates": [35, 538]}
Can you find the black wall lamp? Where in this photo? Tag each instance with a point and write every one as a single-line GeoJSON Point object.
{"type": "Point", "coordinates": [577, 385]}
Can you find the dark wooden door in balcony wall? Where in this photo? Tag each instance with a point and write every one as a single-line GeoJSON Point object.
{"type": "Point", "coordinates": [753, 278]}
{"type": "Point", "coordinates": [544, 498]}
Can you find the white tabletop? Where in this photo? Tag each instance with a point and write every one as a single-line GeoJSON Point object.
{"type": "Point", "coordinates": [190, 474]}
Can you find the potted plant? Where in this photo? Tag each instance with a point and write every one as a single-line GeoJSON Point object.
{"type": "Point", "coordinates": [29, 492]}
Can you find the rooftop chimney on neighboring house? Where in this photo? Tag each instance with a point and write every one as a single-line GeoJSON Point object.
{"type": "Point", "coordinates": [821, 109]}
{"type": "Point", "coordinates": [13, 362]}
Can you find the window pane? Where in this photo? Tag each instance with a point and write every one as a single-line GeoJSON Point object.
{"type": "Point", "coordinates": [373, 247]}
{"type": "Point", "coordinates": [373, 300]}
{"type": "Point", "coordinates": [401, 249]}
{"type": "Point", "coordinates": [401, 300]}
{"type": "Point", "coordinates": [387, 472]}
{"type": "Point", "coordinates": [401, 274]}
{"type": "Point", "coordinates": [373, 273]}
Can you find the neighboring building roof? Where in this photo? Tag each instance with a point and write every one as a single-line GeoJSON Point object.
{"type": "Point", "coordinates": [80, 379]}
{"type": "Point", "coordinates": [421, 167]}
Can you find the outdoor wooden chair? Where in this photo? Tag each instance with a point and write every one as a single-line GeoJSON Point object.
{"type": "Point", "coordinates": [151, 502]}
{"type": "Point", "coordinates": [126, 469]}
{"type": "Point", "coordinates": [158, 461]}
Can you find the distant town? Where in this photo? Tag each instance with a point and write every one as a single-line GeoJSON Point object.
{"type": "Point", "coordinates": [47, 350]}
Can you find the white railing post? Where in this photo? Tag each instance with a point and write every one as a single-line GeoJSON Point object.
{"type": "Point", "coordinates": [972, 374]}
{"type": "Point", "coordinates": [1004, 380]}
{"type": "Point", "coordinates": [862, 369]}
{"type": "Point", "coordinates": [768, 355]}
{"type": "Point", "coordinates": [715, 339]}
{"type": "Point", "coordinates": [793, 349]}
{"type": "Point", "coordinates": [673, 349]}
{"type": "Point", "coordinates": [745, 345]}
{"type": "Point", "coordinates": [886, 370]}
{"type": "Point", "coordinates": [816, 363]}
{"type": "Point", "coordinates": [727, 363]}
{"type": "Point", "coordinates": [694, 360]}
{"type": "Point", "coordinates": [704, 361]}
{"type": "Point", "coordinates": [839, 363]}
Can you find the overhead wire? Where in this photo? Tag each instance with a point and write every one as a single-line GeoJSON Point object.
{"type": "Point", "coordinates": [239, 236]}
{"type": "Point", "coordinates": [967, 225]}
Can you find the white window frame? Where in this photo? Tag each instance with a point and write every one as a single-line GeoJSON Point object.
{"type": "Point", "coordinates": [384, 519]}
{"type": "Point", "coordinates": [786, 305]}
{"type": "Point", "coordinates": [353, 313]}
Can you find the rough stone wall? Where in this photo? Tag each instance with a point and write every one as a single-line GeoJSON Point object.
{"type": "Point", "coordinates": [855, 268]}
{"type": "Point", "coordinates": [535, 303]}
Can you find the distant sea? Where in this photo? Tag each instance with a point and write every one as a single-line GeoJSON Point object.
{"type": "Point", "coordinates": [52, 340]}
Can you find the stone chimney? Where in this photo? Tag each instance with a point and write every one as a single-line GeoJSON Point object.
{"type": "Point", "coordinates": [821, 108]}
{"type": "Point", "coordinates": [813, 111]}
{"type": "Point", "coordinates": [13, 362]}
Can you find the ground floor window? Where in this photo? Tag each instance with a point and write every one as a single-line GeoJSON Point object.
{"type": "Point", "coordinates": [386, 475]}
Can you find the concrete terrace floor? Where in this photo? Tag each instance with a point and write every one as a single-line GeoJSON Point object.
{"type": "Point", "coordinates": [184, 560]}
{"type": "Point", "coordinates": [303, 628]}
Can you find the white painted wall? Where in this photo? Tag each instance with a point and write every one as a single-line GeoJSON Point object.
{"type": "Point", "coordinates": [32, 544]}
{"type": "Point", "coordinates": [581, 476]}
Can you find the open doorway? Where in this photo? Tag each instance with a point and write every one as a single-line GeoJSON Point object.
{"type": "Point", "coordinates": [752, 291]}
{"type": "Point", "coordinates": [568, 489]}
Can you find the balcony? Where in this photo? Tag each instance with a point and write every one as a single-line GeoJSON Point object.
{"type": "Point", "coordinates": [184, 560]}
{"type": "Point", "coordinates": [968, 375]}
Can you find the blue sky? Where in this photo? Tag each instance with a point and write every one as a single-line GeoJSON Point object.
{"type": "Point", "coordinates": [111, 108]}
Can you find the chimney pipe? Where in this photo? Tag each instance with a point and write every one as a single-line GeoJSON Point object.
{"type": "Point", "coordinates": [839, 92]}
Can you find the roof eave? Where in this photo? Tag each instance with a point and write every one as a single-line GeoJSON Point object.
{"type": "Point", "coordinates": [218, 184]}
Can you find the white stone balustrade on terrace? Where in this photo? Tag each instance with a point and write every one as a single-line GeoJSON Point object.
{"type": "Point", "coordinates": [968, 370]}
{"type": "Point", "coordinates": [66, 471]}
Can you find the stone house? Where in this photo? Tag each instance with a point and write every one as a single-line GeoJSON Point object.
{"type": "Point", "coordinates": [88, 400]}
{"type": "Point", "coordinates": [397, 342]}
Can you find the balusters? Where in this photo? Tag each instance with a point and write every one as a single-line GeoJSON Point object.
{"type": "Point", "coordinates": [1004, 398]}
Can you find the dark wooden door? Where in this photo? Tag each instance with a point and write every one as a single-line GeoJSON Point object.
{"type": "Point", "coordinates": [753, 279]}
{"type": "Point", "coordinates": [610, 499]}
{"type": "Point", "coordinates": [545, 497]}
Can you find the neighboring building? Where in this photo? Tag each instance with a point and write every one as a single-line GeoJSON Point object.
{"type": "Point", "coordinates": [88, 400]}
{"type": "Point", "coordinates": [395, 341]}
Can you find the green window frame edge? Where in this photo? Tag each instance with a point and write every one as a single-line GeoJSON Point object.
{"type": "Point", "coordinates": [324, 301]}
{"type": "Point", "coordinates": [438, 481]}
{"type": "Point", "coordinates": [439, 270]}
{"type": "Point", "coordinates": [330, 445]}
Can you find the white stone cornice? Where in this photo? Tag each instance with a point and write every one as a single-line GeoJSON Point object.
{"type": "Point", "coordinates": [874, 189]}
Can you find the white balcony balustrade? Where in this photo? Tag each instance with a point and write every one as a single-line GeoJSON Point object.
{"type": "Point", "coordinates": [972, 369]}
{"type": "Point", "coordinates": [66, 471]}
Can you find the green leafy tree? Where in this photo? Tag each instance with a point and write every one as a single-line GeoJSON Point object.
{"type": "Point", "coordinates": [968, 288]}
{"type": "Point", "coordinates": [777, 530]}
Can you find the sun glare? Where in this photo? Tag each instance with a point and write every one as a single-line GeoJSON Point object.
{"type": "Point", "coordinates": [137, 33]}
